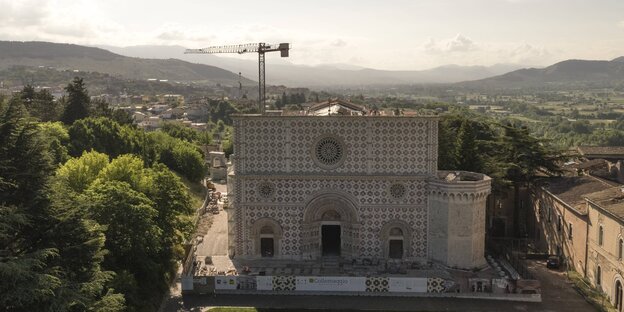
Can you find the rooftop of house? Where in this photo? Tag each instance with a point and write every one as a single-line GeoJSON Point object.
{"type": "Point", "coordinates": [592, 163]}
{"type": "Point", "coordinates": [572, 189]}
{"type": "Point", "coordinates": [602, 151]}
{"type": "Point", "coordinates": [611, 200]}
{"type": "Point", "coordinates": [336, 107]}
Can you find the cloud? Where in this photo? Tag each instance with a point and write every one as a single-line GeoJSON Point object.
{"type": "Point", "coordinates": [174, 33]}
{"type": "Point", "coordinates": [338, 43]}
{"type": "Point", "coordinates": [528, 54]}
{"type": "Point", "coordinates": [76, 21]}
{"type": "Point", "coordinates": [457, 44]}
{"type": "Point", "coordinates": [22, 13]}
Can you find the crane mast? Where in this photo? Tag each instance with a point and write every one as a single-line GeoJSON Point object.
{"type": "Point", "coordinates": [260, 48]}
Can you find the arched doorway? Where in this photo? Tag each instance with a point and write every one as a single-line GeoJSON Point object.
{"type": "Point", "coordinates": [618, 296]}
{"type": "Point", "coordinates": [395, 239]}
{"type": "Point", "coordinates": [330, 234]}
{"type": "Point", "coordinates": [266, 234]}
{"type": "Point", "coordinates": [395, 243]}
{"type": "Point", "coordinates": [267, 241]}
{"type": "Point", "coordinates": [330, 226]}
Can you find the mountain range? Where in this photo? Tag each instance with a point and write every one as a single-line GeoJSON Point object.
{"type": "Point", "coordinates": [281, 72]}
{"type": "Point", "coordinates": [76, 57]}
{"type": "Point", "coordinates": [569, 72]}
{"type": "Point", "coordinates": [170, 63]}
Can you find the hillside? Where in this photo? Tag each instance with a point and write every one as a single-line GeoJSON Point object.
{"type": "Point", "coordinates": [566, 73]}
{"type": "Point", "coordinates": [75, 57]}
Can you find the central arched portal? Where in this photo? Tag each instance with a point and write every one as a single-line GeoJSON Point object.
{"type": "Point", "coordinates": [330, 227]}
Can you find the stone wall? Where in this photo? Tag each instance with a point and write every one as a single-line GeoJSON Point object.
{"type": "Point", "coordinates": [457, 218]}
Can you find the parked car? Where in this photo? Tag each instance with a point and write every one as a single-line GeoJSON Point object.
{"type": "Point", "coordinates": [553, 262]}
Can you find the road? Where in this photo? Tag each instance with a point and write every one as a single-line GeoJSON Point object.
{"type": "Point", "coordinates": [557, 290]}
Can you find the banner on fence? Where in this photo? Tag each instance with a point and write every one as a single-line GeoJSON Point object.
{"type": "Point", "coordinates": [225, 282]}
{"type": "Point", "coordinates": [408, 284]}
{"type": "Point", "coordinates": [330, 283]}
{"type": "Point", "coordinates": [264, 282]}
{"type": "Point", "coordinates": [187, 283]}
{"type": "Point", "coordinates": [322, 283]}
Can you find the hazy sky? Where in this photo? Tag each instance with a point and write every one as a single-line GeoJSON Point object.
{"type": "Point", "coordinates": [390, 34]}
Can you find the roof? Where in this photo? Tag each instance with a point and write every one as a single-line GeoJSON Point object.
{"type": "Point", "coordinates": [592, 163]}
{"type": "Point", "coordinates": [337, 107]}
{"type": "Point", "coordinates": [602, 151]}
{"type": "Point", "coordinates": [611, 200]}
{"type": "Point", "coordinates": [571, 190]}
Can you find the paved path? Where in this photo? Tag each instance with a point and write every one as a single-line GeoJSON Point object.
{"type": "Point", "coordinates": [557, 290]}
{"type": "Point", "coordinates": [215, 242]}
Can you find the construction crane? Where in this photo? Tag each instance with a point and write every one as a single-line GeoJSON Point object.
{"type": "Point", "coordinates": [261, 48]}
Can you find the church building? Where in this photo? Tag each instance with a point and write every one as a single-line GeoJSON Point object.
{"type": "Point", "coordinates": [351, 187]}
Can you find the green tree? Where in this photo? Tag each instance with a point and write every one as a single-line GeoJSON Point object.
{"type": "Point", "coordinates": [523, 157]}
{"type": "Point", "coordinates": [132, 239]}
{"type": "Point", "coordinates": [24, 161]}
{"type": "Point", "coordinates": [102, 109]}
{"type": "Point", "coordinates": [78, 173]}
{"type": "Point", "coordinates": [184, 158]}
{"type": "Point", "coordinates": [107, 136]}
{"type": "Point", "coordinates": [467, 151]}
{"type": "Point", "coordinates": [56, 137]}
{"type": "Point", "coordinates": [181, 132]}
{"type": "Point", "coordinates": [173, 204]}
{"type": "Point", "coordinates": [447, 159]}
{"type": "Point", "coordinates": [29, 281]}
{"type": "Point", "coordinates": [126, 168]}
{"type": "Point", "coordinates": [77, 102]}
{"type": "Point", "coordinates": [50, 260]}
{"type": "Point", "coordinates": [40, 105]}
{"type": "Point", "coordinates": [222, 110]}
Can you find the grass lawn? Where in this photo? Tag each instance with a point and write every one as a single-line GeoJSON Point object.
{"type": "Point", "coordinates": [196, 190]}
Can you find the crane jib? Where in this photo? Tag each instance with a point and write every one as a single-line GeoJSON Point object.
{"type": "Point", "coordinates": [260, 48]}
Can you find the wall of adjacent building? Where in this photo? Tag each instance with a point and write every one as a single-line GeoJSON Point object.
{"type": "Point", "coordinates": [605, 255]}
{"type": "Point", "coordinates": [546, 209]}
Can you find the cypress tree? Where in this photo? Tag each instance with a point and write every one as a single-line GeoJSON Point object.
{"type": "Point", "coordinates": [78, 102]}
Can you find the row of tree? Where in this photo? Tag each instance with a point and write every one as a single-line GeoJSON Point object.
{"type": "Point", "coordinates": [506, 152]}
{"type": "Point", "coordinates": [92, 217]}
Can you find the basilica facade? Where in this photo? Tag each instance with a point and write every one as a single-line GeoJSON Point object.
{"type": "Point", "coordinates": [353, 187]}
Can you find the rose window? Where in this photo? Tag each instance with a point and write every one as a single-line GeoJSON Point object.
{"type": "Point", "coordinates": [397, 190]}
{"type": "Point", "coordinates": [266, 189]}
{"type": "Point", "coordinates": [329, 151]}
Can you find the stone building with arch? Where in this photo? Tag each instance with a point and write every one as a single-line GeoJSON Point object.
{"type": "Point", "coordinates": [351, 187]}
{"type": "Point", "coordinates": [581, 220]}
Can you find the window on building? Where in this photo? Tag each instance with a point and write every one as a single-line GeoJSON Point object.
{"type": "Point", "coordinates": [620, 248]}
{"type": "Point", "coordinates": [598, 276]}
{"type": "Point", "coordinates": [559, 223]}
{"type": "Point", "coordinates": [570, 231]}
{"type": "Point", "coordinates": [600, 235]}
